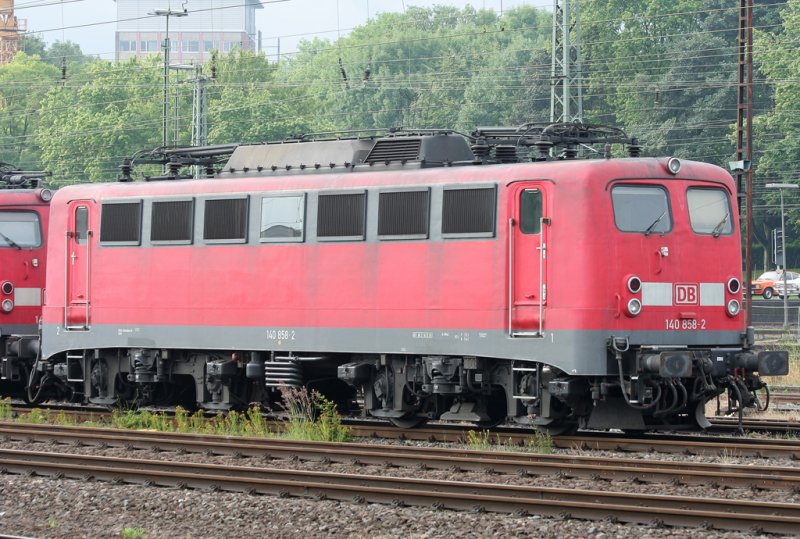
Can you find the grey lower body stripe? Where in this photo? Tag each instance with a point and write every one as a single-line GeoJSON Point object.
{"type": "Point", "coordinates": [572, 351]}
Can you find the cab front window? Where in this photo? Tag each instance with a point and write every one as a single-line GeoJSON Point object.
{"type": "Point", "coordinates": [709, 211]}
{"type": "Point", "coordinates": [20, 229]}
{"type": "Point", "coordinates": [641, 208]}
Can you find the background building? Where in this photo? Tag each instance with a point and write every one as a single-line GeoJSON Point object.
{"type": "Point", "coordinates": [211, 25]}
{"type": "Point", "coordinates": [10, 27]}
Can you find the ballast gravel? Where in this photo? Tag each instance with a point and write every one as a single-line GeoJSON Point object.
{"type": "Point", "coordinates": [61, 508]}
{"type": "Point", "coordinates": [49, 508]}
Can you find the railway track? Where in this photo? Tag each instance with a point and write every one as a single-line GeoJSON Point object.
{"type": "Point", "coordinates": [492, 462]}
{"type": "Point", "coordinates": [471, 496]}
{"type": "Point", "coordinates": [695, 444]}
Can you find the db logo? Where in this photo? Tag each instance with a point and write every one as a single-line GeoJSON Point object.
{"type": "Point", "coordinates": [686, 294]}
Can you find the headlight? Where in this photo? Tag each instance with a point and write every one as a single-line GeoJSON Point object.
{"type": "Point", "coordinates": [46, 195]}
{"type": "Point", "coordinates": [7, 305]}
{"type": "Point", "coordinates": [674, 165]}
{"type": "Point", "coordinates": [634, 307]}
{"type": "Point", "coordinates": [734, 307]}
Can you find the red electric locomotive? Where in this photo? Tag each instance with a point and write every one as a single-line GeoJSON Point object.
{"type": "Point", "coordinates": [442, 276]}
{"type": "Point", "coordinates": [24, 211]}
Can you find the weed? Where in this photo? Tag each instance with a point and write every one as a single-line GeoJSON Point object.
{"type": "Point", "coordinates": [312, 417]}
{"type": "Point", "coordinates": [539, 442]}
{"type": "Point", "coordinates": [6, 413]}
{"type": "Point", "coordinates": [53, 522]}
{"type": "Point", "coordinates": [479, 440]}
{"type": "Point", "coordinates": [36, 416]}
{"type": "Point", "coordinates": [133, 533]}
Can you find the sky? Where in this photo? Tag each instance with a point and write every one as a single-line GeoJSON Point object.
{"type": "Point", "coordinates": [91, 23]}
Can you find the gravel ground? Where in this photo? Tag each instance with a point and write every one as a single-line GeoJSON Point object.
{"type": "Point", "coordinates": [49, 508]}
{"type": "Point", "coordinates": [46, 508]}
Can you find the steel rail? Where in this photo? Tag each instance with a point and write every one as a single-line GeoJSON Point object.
{"type": "Point", "coordinates": [661, 443]}
{"type": "Point", "coordinates": [527, 464]}
{"type": "Point", "coordinates": [765, 517]}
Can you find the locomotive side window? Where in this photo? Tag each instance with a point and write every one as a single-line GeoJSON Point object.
{"type": "Point", "coordinates": [342, 216]}
{"type": "Point", "coordinates": [403, 214]}
{"type": "Point", "coordinates": [282, 218]}
{"type": "Point", "coordinates": [225, 220]}
{"type": "Point", "coordinates": [709, 211]}
{"type": "Point", "coordinates": [469, 212]}
{"type": "Point", "coordinates": [641, 208]}
{"type": "Point", "coordinates": [81, 225]}
{"type": "Point", "coordinates": [121, 223]}
{"type": "Point", "coordinates": [530, 211]}
{"type": "Point", "coordinates": [20, 229]}
{"type": "Point", "coordinates": [172, 221]}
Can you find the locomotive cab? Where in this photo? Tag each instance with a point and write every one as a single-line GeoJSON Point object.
{"type": "Point", "coordinates": [24, 215]}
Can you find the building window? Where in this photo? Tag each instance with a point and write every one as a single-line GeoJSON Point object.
{"type": "Point", "coordinates": [232, 46]}
{"type": "Point", "coordinates": [210, 45]}
{"type": "Point", "coordinates": [127, 45]}
{"type": "Point", "coordinates": [191, 46]}
{"type": "Point", "coordinates": [149, 46]}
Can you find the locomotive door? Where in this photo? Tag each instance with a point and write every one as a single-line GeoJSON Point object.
{"type": "Point", "coordinates": [527, 259]}
{"type": "Point", "coordinates": [79, 233]}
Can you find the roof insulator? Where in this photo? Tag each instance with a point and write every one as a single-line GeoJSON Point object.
{"type": "Point", "coordinates": [634, 148]}
{"type": "Point", "coordinates": [274, 168]}
{"type": "Point", "coordinates": [316, 165]}
{"type": "Point", "coordinates": [259, 168]}
{"type": "Point", "coordinates": [302, 167]}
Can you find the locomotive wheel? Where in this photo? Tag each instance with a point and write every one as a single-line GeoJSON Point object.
{"type": "Point", "coordinates": [408, 422]}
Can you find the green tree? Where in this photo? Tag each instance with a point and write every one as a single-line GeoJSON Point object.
{"type": "Point", "coordinates": [23, 84]}
{"type": "Point", "coordinates": [104, 113]}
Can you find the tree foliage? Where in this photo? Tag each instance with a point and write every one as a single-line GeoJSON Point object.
{"type": "Point", "coordinates": [666, 72]}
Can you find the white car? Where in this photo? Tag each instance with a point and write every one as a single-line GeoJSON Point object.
{"type": "Point", "coordinates": [792, 284]}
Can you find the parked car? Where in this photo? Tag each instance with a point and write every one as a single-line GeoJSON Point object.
{"type": "Point", "coordinates": [792, 284]}
{"type": "Point", "coordinates": [766, 284]}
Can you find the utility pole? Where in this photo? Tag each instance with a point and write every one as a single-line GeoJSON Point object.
{"type": "Point", "coordinates": [566, 82]}
{"type": "Point", "coordinates": [744, 141]}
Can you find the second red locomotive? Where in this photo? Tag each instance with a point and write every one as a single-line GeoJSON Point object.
{"type": "Point", "coordinates": [435, 276]}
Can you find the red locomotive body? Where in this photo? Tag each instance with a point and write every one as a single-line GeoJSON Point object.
{"type": "Point", "coordinates": [24, 213]}
{"type": "Point", "coordinates": [596, 292]}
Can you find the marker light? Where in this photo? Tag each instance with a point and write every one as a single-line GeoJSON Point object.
{"type": "Point", "coordinates": [734, 285]}
{"type": "Point", "coordinates": [634, 284]}
{"type": "Point", "coordinates": [7, 305]}
{"type": "Point", "coordinates": [734, 307]}
{"type": "Point", "coordinates": [7, 287]}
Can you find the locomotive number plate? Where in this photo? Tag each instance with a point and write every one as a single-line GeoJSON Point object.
{"type": "Point", "coordinates": [688, 324]}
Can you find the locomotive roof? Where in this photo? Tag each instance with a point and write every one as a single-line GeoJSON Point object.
{"type": "Point", "coordinates": [392, 149]}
